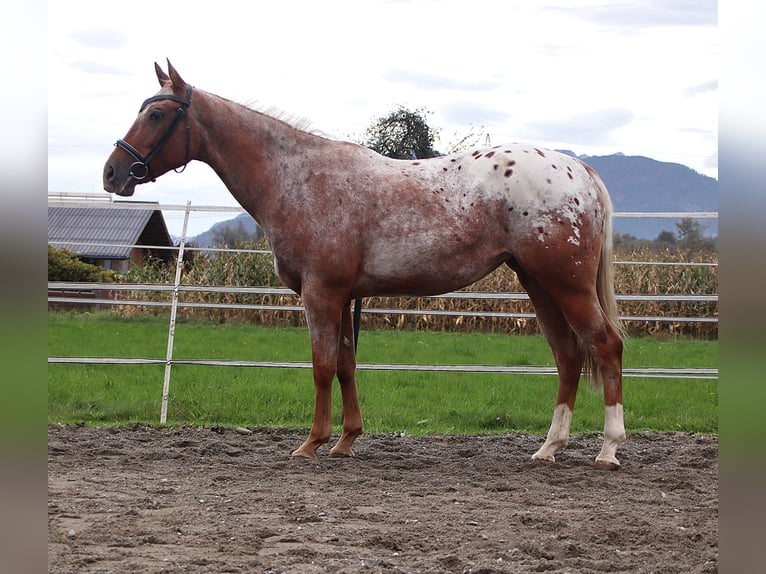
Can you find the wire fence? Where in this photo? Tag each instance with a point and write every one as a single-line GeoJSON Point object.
{"type": "Point", "coordinates": [107, 294]}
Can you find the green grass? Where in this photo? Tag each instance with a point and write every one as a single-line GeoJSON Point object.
{"type": "Point", "coordinates": [411, 402]}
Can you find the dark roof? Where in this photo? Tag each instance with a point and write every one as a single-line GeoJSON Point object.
{"type": "Point", "coordinates": [114, 230]}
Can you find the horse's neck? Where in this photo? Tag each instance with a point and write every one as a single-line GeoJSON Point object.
{"type": "Point", "coordinates": [245, 148]}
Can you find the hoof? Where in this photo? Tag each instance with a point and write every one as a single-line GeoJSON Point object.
{"type": "Point", "coordinates": [606, 464]}
{"type": "Point", "coordinates": [544, 459]}
{"type": "Point", "coordinates": [303, 453]}
{"type": "Point", "coordinates": [342, 454]}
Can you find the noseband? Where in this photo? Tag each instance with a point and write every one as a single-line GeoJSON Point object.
{"type": "Point", "coordinates": [140, 168]}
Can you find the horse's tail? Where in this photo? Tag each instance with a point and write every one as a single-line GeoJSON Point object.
{"type": "Point", "coordinates": [604, 282]}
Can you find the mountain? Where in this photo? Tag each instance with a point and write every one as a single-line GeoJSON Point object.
{"type": "Point", "coordinates": [241, 226]}
{"type": "Point", "coordinates": [638, 183]}
{"type": "Point", "coordinates": [635, 183]}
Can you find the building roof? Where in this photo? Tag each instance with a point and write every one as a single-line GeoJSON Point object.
{"type": "Point", "coordinates": [106, 233]}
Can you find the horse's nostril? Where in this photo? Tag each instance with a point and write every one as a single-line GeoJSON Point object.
{"type": "Point", "coordinates": [109, 173]}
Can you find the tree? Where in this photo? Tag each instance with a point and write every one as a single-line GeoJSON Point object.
{"type": "Point", "coordinates": [690, 233]}
{"type": "Point", "coordinates": [402, 134]}
{"type": "Point", "coordinates": [666, 237]}
{"type": "Point", "coordinates": [232, 235]}
{"type": "Point", "coordinates": [624, 239]}
{"type": "Point", "coordinates": [475, 137]}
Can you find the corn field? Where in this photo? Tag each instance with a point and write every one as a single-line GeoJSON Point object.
{"type": "Point", "coordinates": [250, 268]}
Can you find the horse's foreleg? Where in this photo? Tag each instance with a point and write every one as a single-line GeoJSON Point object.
{"type": "Point", "coordinates": [352, 417]}
{"type": "Point", "coordinates": [562, 341]}
{"type": "Point", "coordinates": [323, 315]}
{"type": "Point", "coordinates": [321, 428]}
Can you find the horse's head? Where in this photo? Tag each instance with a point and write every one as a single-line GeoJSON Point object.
{"type": "Point", "coordinates": [158, 141]}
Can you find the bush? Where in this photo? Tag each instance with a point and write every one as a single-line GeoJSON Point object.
{"type": "Point", "coordinates": [66, 266]}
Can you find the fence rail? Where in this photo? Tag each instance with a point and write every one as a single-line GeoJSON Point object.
{"type": "Point", "coordinates": [643, 372]}
{"type": "Point", "coordinates": [174, 290]}
{"type": "Point", "coordinates": [281, 291]}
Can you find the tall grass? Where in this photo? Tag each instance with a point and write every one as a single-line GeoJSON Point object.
{"type": "Point", "coordinates": [248, 269]}
{"type": "Point", "coordinates": [412, 402]}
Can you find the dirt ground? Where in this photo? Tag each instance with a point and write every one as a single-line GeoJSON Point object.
{"type": "Point", "coordinates": [149, 499]}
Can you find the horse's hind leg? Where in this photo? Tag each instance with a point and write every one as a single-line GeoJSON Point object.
{"type": "Point", "coordinates": [568, 359]}
{"type": "Point", "coordinates": [352, 417]}
{"type": "Point", "coordinates": [604, 344]}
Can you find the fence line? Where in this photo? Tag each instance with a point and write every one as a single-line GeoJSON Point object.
{"type": "Point", "coordinates": [371, 311]}
{"type": "Point", "coordinates": [490, 295]}
{"type": "Point", "coordinates": [642, 372]}
{"type": "Point", "coordinates": [53, 202]}
{"type": "Point", "coordinates": [476, 295]}
{"type": "Point", "coordinates": [177, 288]}
{"type": "Point", "coordinates": [268, 252]}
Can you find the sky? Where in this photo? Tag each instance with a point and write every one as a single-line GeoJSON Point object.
{"type": "Point", "coordinates": [596, 77]}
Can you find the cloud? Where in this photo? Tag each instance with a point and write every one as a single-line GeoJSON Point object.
{"type": "Point", "coordinates": [654, 13]}
{"type": "Point", "coordinates": [466, 112]}
{"type": "Point", "coordinates": [592, 128]}
{"type": "Point", "coordinates": [702, 88]}
{"type": "Point", "coordinates": [712, 160]}
{"type": "Point", "coordinates": [94, 67]}
{"type": "Point", "coordinates": [101, 38]}
{"type": "Point", "coordinates": [426, 81]}
{"type": "Point", "coordinates": [709, 135]}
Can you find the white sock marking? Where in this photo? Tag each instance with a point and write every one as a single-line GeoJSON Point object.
{"type": "Point", "coordinates": [614, 434]}
{"type": "Point", "coordinates": [558, 435]}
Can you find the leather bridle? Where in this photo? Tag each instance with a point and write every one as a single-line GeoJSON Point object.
{"type": "Point", "coordinates": [142, 162]}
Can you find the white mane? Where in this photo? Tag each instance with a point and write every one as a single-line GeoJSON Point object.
{"type": "Point", "coordinates": [297, 122]}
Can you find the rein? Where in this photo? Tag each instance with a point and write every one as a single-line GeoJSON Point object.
{"type": "Point", "coordinates": [142, 162]}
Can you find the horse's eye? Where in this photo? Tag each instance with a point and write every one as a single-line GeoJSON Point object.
{"type": "Point", "coordinates": [156, 115]}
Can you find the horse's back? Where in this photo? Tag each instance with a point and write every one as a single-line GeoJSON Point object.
{"type": "Point", "coordinates": [525, 188]}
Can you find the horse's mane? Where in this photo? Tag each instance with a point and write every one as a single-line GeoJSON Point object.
{"type": "Point", "coordinates": [297, 122]}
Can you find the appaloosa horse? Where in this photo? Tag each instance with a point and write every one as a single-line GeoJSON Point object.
{"type": "Point", "coordinates": [345, 223]}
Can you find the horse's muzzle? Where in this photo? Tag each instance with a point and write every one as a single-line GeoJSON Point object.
{"type": "Point", "coordinates": [114, 182]}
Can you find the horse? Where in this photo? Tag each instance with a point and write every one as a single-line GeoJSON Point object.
{"type": "Point", "coordinates": [345, 223]}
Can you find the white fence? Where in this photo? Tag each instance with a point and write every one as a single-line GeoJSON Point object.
{"type": "Point", "coordinates": [177, 287]}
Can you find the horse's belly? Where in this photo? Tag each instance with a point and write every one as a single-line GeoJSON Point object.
{"type": "Point", "coordinates": [397, 269]}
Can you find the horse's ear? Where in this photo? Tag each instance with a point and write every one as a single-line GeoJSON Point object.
{"type": "Point", "coordinates": [175, 77]}
{"type": "Point", "coordinates": [161, 76]}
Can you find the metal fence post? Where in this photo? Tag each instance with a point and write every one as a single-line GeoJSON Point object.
{"type": "Point", "coordinates": [172, 326]}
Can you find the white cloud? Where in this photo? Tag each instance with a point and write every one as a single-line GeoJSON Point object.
{"type": "Point", "coordinates": [428, 81]}
{"type": "Point", "coordinates": [95, 67]}
{"type": "Point", "coordinates": [473, 112]}
{"type": "Point", "coordinates": [590, 128]}
{"type": "Point", "coordinates": [101, 37]}
{"type": "Point", "coordinates": [648, 13]}
{"type": "Point", "coordinates": [703, 88]}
